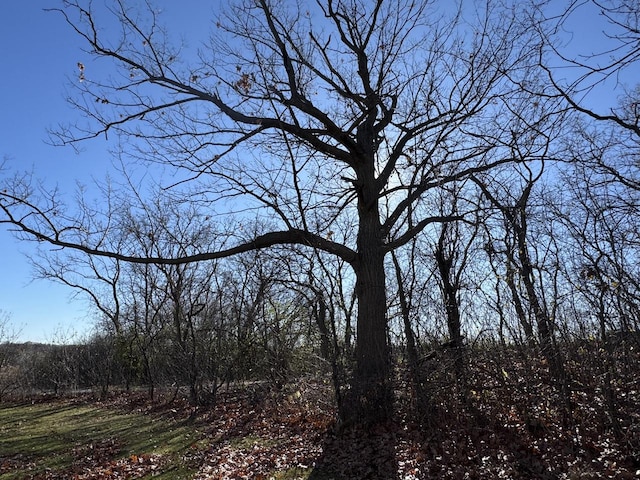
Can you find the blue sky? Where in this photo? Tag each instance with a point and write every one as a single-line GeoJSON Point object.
{"type": "Point", "coordinates": [38, 52]}
{"type": "Point", "coordinates": [39, 55]}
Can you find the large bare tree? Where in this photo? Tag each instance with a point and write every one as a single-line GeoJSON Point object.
{"type": "Point", "coordinates": [308, 116]}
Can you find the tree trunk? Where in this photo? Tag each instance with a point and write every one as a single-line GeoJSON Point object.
{"type": "Point", "coordinates": [517, 303]}
{"type": "Point", "coordinates": [371, 398]}
{"type": "Point", "coordinates": [608, 367]}
{"type": "Point", "coordinates": [545, 331]}
{"type": "Point", "coordinates": [321, 322]}
{"type": "Point", "coordinates": [329, 347]}
{"type": "Point", "coordinates": [450, 288]}
{"type": "Point", "coordinates": [548, 347]}
{"type": "Point", "coordinates": [422, 402]}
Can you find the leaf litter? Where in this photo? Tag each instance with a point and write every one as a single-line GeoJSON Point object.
{"type": "Point", "coordinates": [293, 434]}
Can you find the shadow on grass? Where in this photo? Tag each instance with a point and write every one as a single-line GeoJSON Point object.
{"type": "Point", "coordinates": [53, 438]}
{"type": "Point", "coordinates": [61, 440]}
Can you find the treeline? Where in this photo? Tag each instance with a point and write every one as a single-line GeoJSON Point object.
{"type": "Point", "coordinates": [195, 335]}
{"type": "Point", "coordinates": [543, 274]}
{"type": "Point", "coordinates": [103, 363]}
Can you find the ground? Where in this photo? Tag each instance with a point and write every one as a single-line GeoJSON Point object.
{"type": "Point", "coordinates": [505, 430]}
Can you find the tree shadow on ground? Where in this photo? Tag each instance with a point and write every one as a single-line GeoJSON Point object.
{"type": "Point", "coordinates": [358, 452]}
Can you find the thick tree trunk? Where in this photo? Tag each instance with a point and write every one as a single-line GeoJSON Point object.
{"type": "Point", "coordinates": [371, 398]}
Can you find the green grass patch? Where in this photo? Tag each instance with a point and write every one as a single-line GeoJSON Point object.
{"type": "Point", "coordinates": [296, 473]}
{"type": "Point", "coordinates": [50, 440]}
{"type": "Point", "coordinates": [251, 441]}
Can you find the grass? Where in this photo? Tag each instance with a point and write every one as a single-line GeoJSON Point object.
{"type": "Point", "coordinates": [293, 438]}
{"type": "Point", "coordinates": [250, 441]}
{"type": "Point", "coordinates": [47, 440]}
{"type": "Point", "coordinates": [61, 439]}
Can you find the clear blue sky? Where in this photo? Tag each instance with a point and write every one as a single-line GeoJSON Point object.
{"type": "Point", "coordinates": [39, 55]}
{"type": "Point", "coordinates": [37, 52]}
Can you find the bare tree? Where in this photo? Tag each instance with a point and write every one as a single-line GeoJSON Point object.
{"type": "Point", "coordinates": [97, 278]}
{"type": "Point", "coordinates": [452, 254]}
{"type": "Point", "coordinates": [616, 62]}
{"type": "Point", "coordinates": [599, 217]}
{"type": "Point", "coordinates": [305, 115]}
{"type": "Point", "coordinates": [8, 371]}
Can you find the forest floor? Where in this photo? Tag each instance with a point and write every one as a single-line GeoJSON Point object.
{"type": "Point", "coordinates": [291, 434]}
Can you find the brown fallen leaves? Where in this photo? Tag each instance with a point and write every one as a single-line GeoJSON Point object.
{"type": "Point", "coordinates": [92, 461]}
{"type": "Point", "coordinates": [97, 461]}
{"type": "Point", "coordinates": [15, 462]}
{"type": "Point", "coordinates": [131, 467]}
{"type": "Point", "coordinates": [509, 427]}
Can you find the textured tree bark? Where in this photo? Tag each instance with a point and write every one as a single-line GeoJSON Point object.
{"type": "Point", "coordinates": [371, 398]}
{"type": "Point", "coordinates": [371, 384]}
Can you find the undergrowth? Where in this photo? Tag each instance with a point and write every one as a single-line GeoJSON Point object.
{"type": "Point", "coordinates": [506, 419]}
